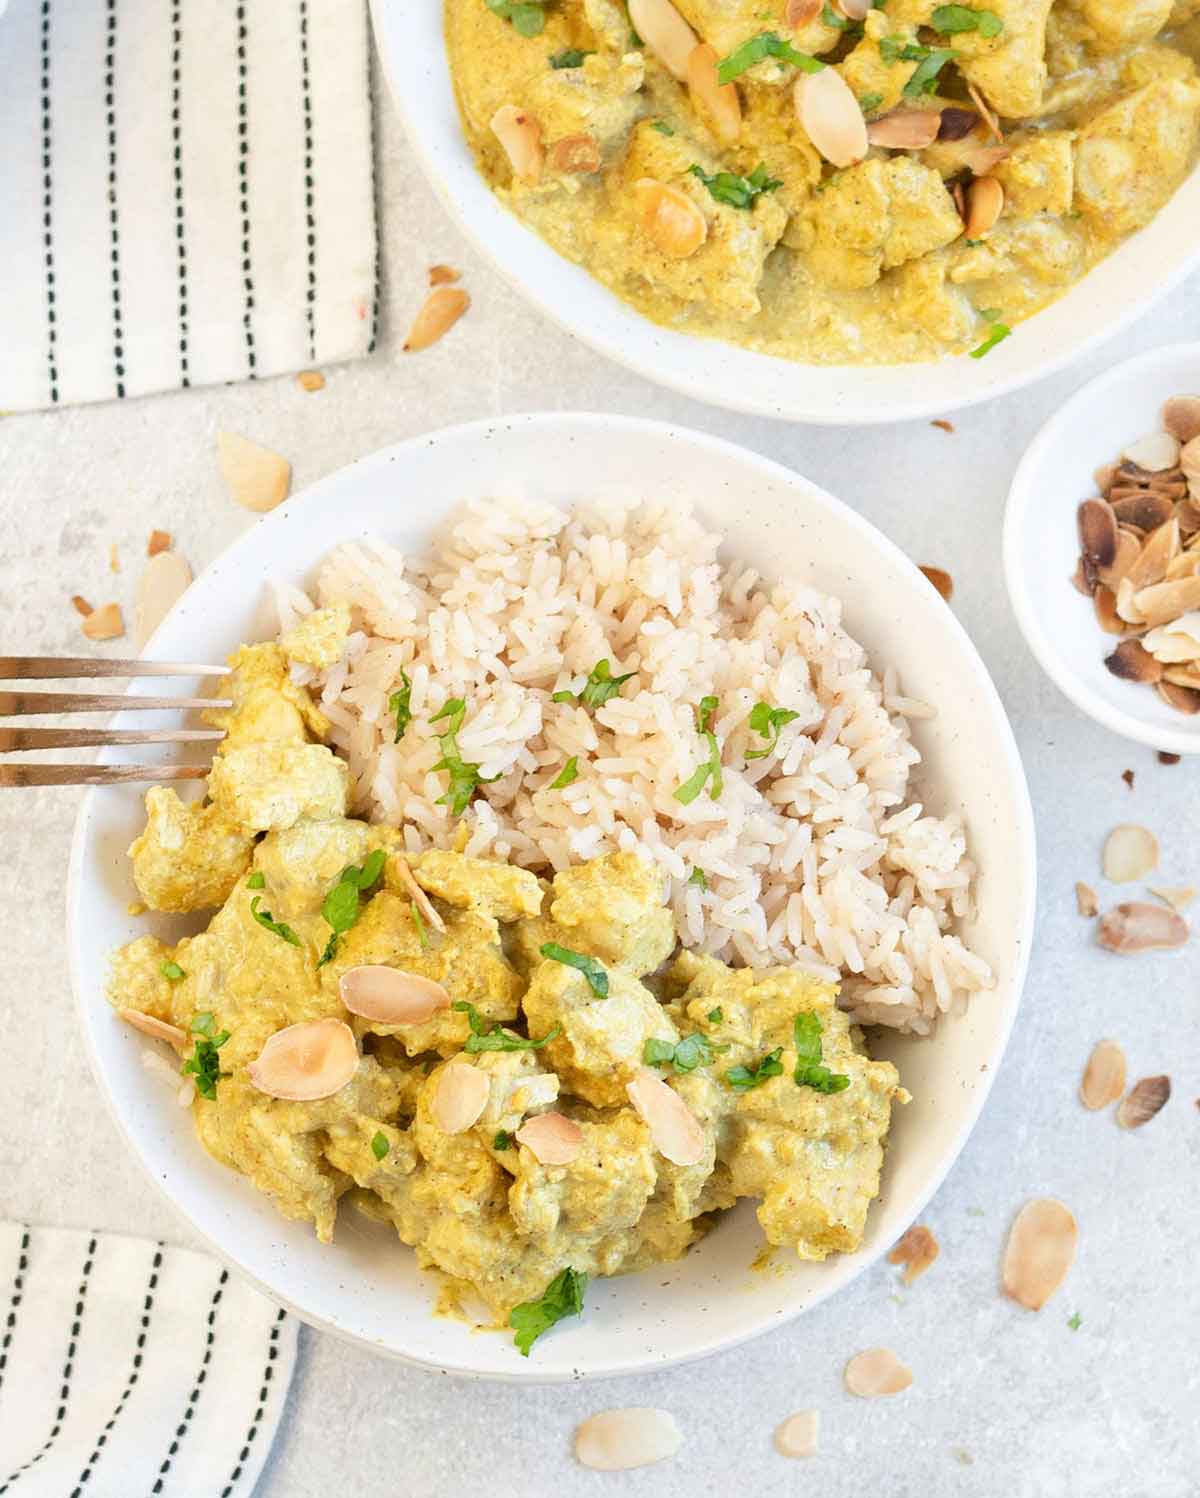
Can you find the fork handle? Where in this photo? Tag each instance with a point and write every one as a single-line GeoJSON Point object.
{"type": "Point", "coordinates": [21, 776]}
{"type": "Point", "coordinates": [44, 667]}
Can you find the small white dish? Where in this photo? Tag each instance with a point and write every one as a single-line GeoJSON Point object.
{"type": "Point", "coordinates": [1041, 542]}
{"type": "Point", "coordinates": [413, 54]}
{"type": "Point", "coordinates": [367, 1287]}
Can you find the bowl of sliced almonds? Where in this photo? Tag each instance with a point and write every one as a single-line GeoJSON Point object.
{"type": "Point", "coordinates": [1102, 548]}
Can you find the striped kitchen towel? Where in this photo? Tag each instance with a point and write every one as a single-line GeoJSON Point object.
{"type": "Point", "coordinates": [186, 193]}
{"type": "Point", "coordinates": [128, 1369]}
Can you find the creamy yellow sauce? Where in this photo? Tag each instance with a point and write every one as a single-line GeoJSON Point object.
{"type": "Point", "coordinates": [478, 1204]}
{"type": "Point", "coordinates": [1098, 107]}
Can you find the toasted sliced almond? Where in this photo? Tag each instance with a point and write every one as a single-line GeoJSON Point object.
{"type": "Point", "coordinates": [553, 1138]}
{"type": "Point", "coordinates": [665, 32]}
{"type": "Point", "coordinates": [618, 1440]}
{"type": "Point", "coordinates": [1126, 606]}
{"type": "Point", "coordinates": [1176, 642]}
{"type": "Point", "coordinates": [1160, 549]}
{"type": "Point", "coordinates": [798, 13]}
{"type": "Point", "coordinates": [1085, 899]}
{"type": "Point", "coordinates": [1137, 926]}
{"type": "Point", "coordinates": [576, 155]}
{"type": "Point", "coordinates": [390, 996]}
{"type": "Point", "coordinates": [158, 1028]}
{"type": "Point", "coordinates": [440, 310]}
{"type": "Point", "coordinates": [1131, 663]}
{"type": "Point", "coordinates": [521, 136]}
{"type": "Point", "coordinates": [981, 159]}
{"type": "Point", "coordinates": [718, 102]}
{"type": "Point", "coordinates": [1145, 1099]}
{"type": "Point", "coordinates": [81, 605]}
{"type": "Point", "coordinates": [307, 1061]}
{"type": "Point", "coordinates": [876, 1372]}
{"type": "Point", "coordinates": [1097, 525]}
{"type": "Point", "coordinates": [1130, 852]}
{"type": "Point", "coordinates": [1186, 564]}
{"type": "Point", "coordinates": [1187, 512]}
{"type": "Point", "coordinates": [1105, 476]}
{"type": "Point", "coordinates": [114, 558]}
{"type": "Point", "coordinates": [799, 1434]}
{"type": "Point", "coordinates": [854, 10]}
{"type": "Point", "coordinates": [674, 1129]}
{"type": "Point", "coordinates": [459, 1097]}
{"type": "Point", "coordinates": [310, 380]}
{"type": "Point", "coordinates": [957, 123]}
{"type": "Point", "coordinates": [831, 117]}
{"type": "Point", "coordinates": [257, 478]}
{"type": "Point", "coordinates": [1182, 699]}
{"type": "Point", "coordinates": [1177, 896]}
{"type": "Point", "coordinates": [1183, 676]}
{"type": "Point", "coordinates": [1103, 1076]}
{"type": "Point", "coordinates": [159, 541]}
{"type": "Point", "coordinates": [1105, 601]}
{"type": "Point", "coordinates": [1153, 452]}
{"type": "Point", "coordinates": [941, 580]}
{"type": "Point", "coordinates": [1162, 602]}
{"type": "Point", "coordinates": [917, 1251]}
{"type": "Point", "coordinates": [1040, 1251]}
{"type": "Point", "coordinates": [986, 113]}
{"type": "Point", "coordinates": [985, 201]}
{"type": "Point", "coordinates": [905, 129]}
{"type": "Point", "coordinates": [1181, 417]}
{"type": "Point", "coordinates": [670, 219]}
{"type": "Point", "coordinates": [1189, 464]}
{"type": "Point", "coordinates": [1143, 509]}
{"type": "Point", "coordinates": [443, 275]}
{"type": "Point", "coordinates": [104, 623]}
{"type": "Point", "coordinates": [429, 911]}
{"type": "Point", "coordinates": [165, 580]}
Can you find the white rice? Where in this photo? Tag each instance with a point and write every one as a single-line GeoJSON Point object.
{"type": "Point", "coordinates": [812, 855]}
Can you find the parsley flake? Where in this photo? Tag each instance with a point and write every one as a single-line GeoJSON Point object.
{"type": "Point", "coordinates": [528, 17]}
{"type": "Point", "coordinates": [684, 1056]}
{"type": "Point", "coordinates": [600, 685]}
{"type": "Point", "coordinates": [765, 44]}
{"type": "Point", "coordinates": [341, 906]}
{"type": "Point", "coordinates": [503, 1140]}
{"type": "Point", "coordinates": [493, 1036]}
{"type": "Point", "coordinates": [172, 972]}
{"type": "Point", "coordinates": [465, 778]}
{"type": "Point", "coordinates": [806, 1032]}
{"type": "Point", "coordinates": [569, 57]}
{"type": "Point", "coordinates": [257, 880]}
{"type": "Point", "coordinates": [1075, 1321]}
{"type": "Point", "coordinates": [952, 19]}
{"type": "Point", "coordinates": [400, 706]}
{"type": "Point", "coordinates": [699, 878]}
{"type": "Point", "coordinates": [710, 769]}
{"type": "Point", "coordinates": [767, 721]}
{"type": "Point", "coordinates": [563, 1296]}
{"type": "Point", "coordinates": [662, 127]}
{"type": "Point", "coordinates": [204, 1065]}
{"type": "Point", "coordinates": [568, 773]}
{"type": "Point", "coordinates": [735, 191]}
{"type": "Point", "coordinates": [267, 920]}
{"type": "Point", "coordinates": [203, 1023]}
{"type": "Point", "coordinates": [999, 332]}
{"type": "Point", "coordinates": [380, 1145]}
{"type": "Point", "coordinates": [868, 103]}
{"type": "Point", "coordinates": [715, 1016]}
{"type": "Point", "coordinates": [592, 970]}
{"type": "Point", "coordinates": [743, 1078]}
{"type": "Point", "coordinates": [422, 934]}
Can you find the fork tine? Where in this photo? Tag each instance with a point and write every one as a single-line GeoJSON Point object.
{"type": "Point", "coordinates": [16, 704]}
{"type": "Point", "coordinates": [15, 776]}
{"type": "Point", "coordinates": [43, 667]}
{"type": "Point", "coordinates": [14, 740]}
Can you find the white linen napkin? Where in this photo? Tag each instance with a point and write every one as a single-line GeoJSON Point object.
{"type": "Point", "coordinates": [128, 1368]}
{"type": "Point", "coordinates": [186, 193]}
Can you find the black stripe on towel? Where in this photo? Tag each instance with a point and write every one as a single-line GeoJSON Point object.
{"type": "Point", "coordinates": [310, 295]}
{"type": "Point", "coordinates": [244, 189]}
{"type": "Point", "coordinates": [268, 1375]}
{"type": "Point", "coordinates": [64, 1393]}
{"type": "Point", "coordinates": [134, 1373]}
{"type": "Point", "coordinates": [110, 119]}
{"type": "Point", "coordinates": [48, 212]}
{"type": "Point", "coordinates": [14, 1301]}
{"type": "Point", "coordinates": [189, 1409]}
{"type": "Point", "coordinates": [177, 171]}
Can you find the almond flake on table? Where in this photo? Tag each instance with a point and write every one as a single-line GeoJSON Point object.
{"type": "Point", "coordinates": [1137, 926]}
{"type": "Point", "coordinates": [1176, 896]}
{"type": "Point", "coordinates": [917, 1251]}
{"type": "Point", "coordinates": [440, 310]}
{"type": "Point", "coordinates": [799, 1434]}
{"type": "Point", "coordinates": [163, 583]}
{"type": "Point", "coordinates": [1104, 1076]}
{"type": "Point", "coordinates": [81, 605]}
{"type": "Point", "coordinates": [1144, 1100]}
{"type": "Point", "coordinates": [159, 541]}
{"type": "Point", "coordinates": [876, 1373]}
{"type": "Point", "coordinates": [941, 580]}
{"type": "Point", "coordinates": [940, 421]}
{"type": "Point", "coordinates": [1040, 1251]}
{"type": "Point", "coordinates": [256, 478]}
{"type": "Point", "coordinates": [619, 1440]}
{"type": "Point", "coordinates": [443, 275]}
{"type": "Point", "coordinates": [104, 623]}
{"type": "Point", "coordinates": [1085, 899]}
{"type": "Point", "coordinates": [310, 380]}
{"type": "Point", "coordinates": [1130, 852]}
{"type": "Point", "coordinates": [114, 559]}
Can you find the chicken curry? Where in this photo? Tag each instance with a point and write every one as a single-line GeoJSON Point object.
{"type": "Point", "coordinates": [525, 1078]}
{"type": "Point", "coordinates": [832, 181]}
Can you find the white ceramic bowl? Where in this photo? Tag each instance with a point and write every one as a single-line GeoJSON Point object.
{"type": "Point", "coordinates": [1041, 544]}
{"type": "Point", "coordinates": [366, 1286]}
{"type": "Point", "coordinates": [411, 47]}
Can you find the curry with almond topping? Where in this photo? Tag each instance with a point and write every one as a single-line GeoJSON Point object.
{"type": "Point", "coordinates": [828, 182]}
{"type": "Point", "coordinates": [527, 1079]}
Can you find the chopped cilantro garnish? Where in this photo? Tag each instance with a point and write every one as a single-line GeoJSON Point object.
{"type": "Point", "coordinates": [592, 970]}
{"type": "Point", "coordinates": [341, 905]}
{"type": "Point", "coordinates": [569, 57]}
{"type": "Point", "coordinates": [711, 767]}
{"type": "Point", "coordinates": [465, 778]}
{"type": "Point", "coordinates": [806, 1032]}
{"type": "Point", "coordinates": [380, 1145]}
{"type": "Point", "coordinates": [686, 1055]}
{"type": "Point", "coordinates": [422, 934]}
{"type": "Point", "coordinates": [203, 1023]}
{"type": "Point", "coordinates": [868, 103]}
{"type": "Point", "coordinates": [743, 1078]}
{"type": "Point", "coordinates": [600, 685]}
{"type": "Point", "coordinates": [699, 878]}
{"type": "Point", "coordinates": [715, 1016]}
{"type": "Point", "coordinates": [280, 928]}
{"type": "Point", "coordinates": [830, 17]}
{"type": "Point", "coordinates": [662, 127]}
{"type": "Point", "coordinates": [257, 880]}
{"type": "Point", "coordinates": [503, 1140]}
{"type": "Point", "coordinates": [568, 773]}
{"type": "Point", "coordinates": [492, 1036]}
{"type": "Point", "coordinates": [989, 314]}
{"type": "Point", "coordinates": [172, 972]}
{"type": "Point", "coordinates": [399, 705]}
{"type": "Point", "coordinates": [528, 17]}
{"type": "Point", "coordinates": [735, 191]}
{"type": "Point", "coordinates": [563, 1296]}
{"type": "Point", "coordinates": [925, 75]}
{"type": "Point", "coordinates": [998, 334]}
{"type": "Point", "coordinates": [765, 44]}
{"type": "Point", "coordinates": [204, 1065]}
{"type": "Point", "coordinates": [766, 721]}
{"type": "Point", "coordinates": [951, 19]}
{"type": "Point", "coordinates": [1075, 1321]}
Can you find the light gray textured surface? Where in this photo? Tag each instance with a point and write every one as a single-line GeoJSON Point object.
{"type": "Point", "coordinates": [1004, 1402]}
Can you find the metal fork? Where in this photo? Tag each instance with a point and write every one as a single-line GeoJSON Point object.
{"type": "Point", "coordinates": [17, 704]}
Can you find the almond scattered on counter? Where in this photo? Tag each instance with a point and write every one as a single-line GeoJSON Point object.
{"type": "Point", "coordinates": [799, 1434]}
{"type": "Point", "coordinates": [81, 605]}
{"type": "Point", "coordinates": [946, 426]}
{"type": "Point", "coordinates": [876, 1373]}
{"type": "Point", "coordinates": [1103, 1077]}
{"type": "Point", "coordinates": [163, 583]}
{"type": "Point", "coordinates": [1176, 896]}
{"type": "Point", "coordinates": [310, 380]}
{"type": "Point", "coordinates": [257, 478]}
{"type": "Point", "coordinates": [1144, 1099]}
{"type": "Point", "coordinates": [1130, 852]}
{"type": "Point", "coordinates": [619, 1440]}
{"type": "Point", "coordinates": [105, 623]}
{"type": "Point", "coordinates": [443, 275]}
{"type": "Point", "coordinates": [1040, 1251]}
{"type": "Point", "coordinates": [917, 1251]}
{"type": "Point", "coordinates": [1137, 926]}
{"type": "Point", "coordinates": [941, 580]}
{"type": "Point", "coordinates": [1085, 899]}
{"type": "Point", "coordinates": [440, 310]}
{"type": "Point", "coordinates": [1165, 757]}
{"type": "Point", "coordinates": [159, 541]}
{"type": "Point", "coordinates": [114, 559]}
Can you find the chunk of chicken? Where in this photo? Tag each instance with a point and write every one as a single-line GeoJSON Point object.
{"type": "Point", "coordinates": [267, 704]}
{"type": "Point", "coordinates": [189, 857]}
{"type": "Point", "coordinates": [271, 786]}
{"type": "Point", "coordinates": [1009, 69]}
{"type": "Point", "coordinates": [1133, 154]}
{"type": "Point", "coordinates": [319, 639]}
{"type": "Point", "coordinates": [1039, 175]}
{"type": "Point", "coordinates": [495, 889]}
